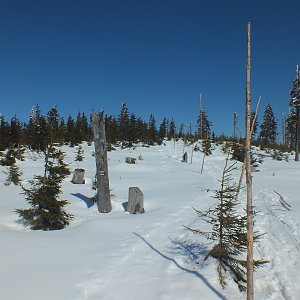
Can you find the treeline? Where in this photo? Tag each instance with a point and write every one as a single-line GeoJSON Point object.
{"type": "Point", "coordinates": [44, 129]}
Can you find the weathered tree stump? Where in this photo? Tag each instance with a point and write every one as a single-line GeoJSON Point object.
{"type": "Point", "coordinates": [103, 192]}
{"type": "Point", "coordinates": [130, 160]}
{"type": "Point", "coordinates": [135, 201]}
{"type": "Point", "coordinates": [185, 157]}
{"type": "Point", "coordinates": [78, 176]}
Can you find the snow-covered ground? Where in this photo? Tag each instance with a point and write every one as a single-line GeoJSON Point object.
{"type": "Point", "coordinates": [118, 256]}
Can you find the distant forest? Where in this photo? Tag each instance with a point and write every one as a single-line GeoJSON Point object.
{"type": "Point", "coordinates": [127, 129]}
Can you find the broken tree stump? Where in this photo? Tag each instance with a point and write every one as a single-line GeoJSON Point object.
{"type": "Point", "coordinates": [78, 176]}
{"type": "Point", "coordinates": [185, 157]}
{"type": "Point", "coordinates": [135, 201]}
{"type": "Point", "coordinates": [130, 160]}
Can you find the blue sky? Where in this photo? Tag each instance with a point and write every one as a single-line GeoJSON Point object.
{"type": "Point", "coordinates": [156, 56]}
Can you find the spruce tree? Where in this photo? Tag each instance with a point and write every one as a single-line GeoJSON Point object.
{"type": "Point", "coordinates": [46, 212]}
{"type": "Point", "coordinates": [181, 133]}
{"type": "Point", "coordinates": [152, 131]}
{"type": "Point", "coordinates": [172, 130]}
{"type": "Point", "coordinates": [293, 120]}
{"type": "Point", "coordinates": [62, 132]}
{"type": "Point", "coordinates": [206, 147]}
{"type": "Point", "coordinates": [132, 134]}
{"type": "Point", "coordinates": [79, 154]}
{"type": "Point", "coordinates": [111, 128]}
{"type": "Point", "coordinates": [37, 137]}
{"type": "Point", "coordinates": [53, 125]}
{"type": "Point", "coordinates": [13, 175]}
{"type": "Point", "coordinates": [228, 232]}
{"type": "Point", "coordinates": [9, 158]}
{"type": "Point", "coordinates": [141, 130]}
{"type": "Point", "coordinates": [71, 132]}
{"type": "Point", "coordinates": [268, 128]}
{"type": "Point", "coordinates": [15, 131]}
{"type": "Point", "coordinates": [123, 126]}
{"type": "Point", "coordinates": [4, 133]}
{"type": "Point", "coordinates": [162, 132]}
{"type": "Point", "coordinates": [204, 125]}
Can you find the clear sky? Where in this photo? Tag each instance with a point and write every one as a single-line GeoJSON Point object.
{"type": "Point", "coordinates": [156, 56]}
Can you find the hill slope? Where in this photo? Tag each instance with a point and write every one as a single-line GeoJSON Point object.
{"type": "Point", "coordinates": [149, 256]}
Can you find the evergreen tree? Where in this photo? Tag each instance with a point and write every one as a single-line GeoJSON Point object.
{"type": "Point", "coordinates": [172, 130]}
{"type": "Point", "coordinates": [228, 233]}
{"type": "Point", "coordinates": [37, 134]}
{"type": "Point", "coordinates": [62, 132]}
{"type": "Point", "coordinates": [71, 131]}
{"type": "Point", "coordinates": [132, 134]}
{"type": "Point", "coordinates": [79, 154]}
{"type": "Point", "coordinates": [46, 212]}
{"type": "Point", "coordinates": [31, 131]}
{"type": "Point", "coordinates": [141, 130]}
{"type": "Point", "coordinates": [206, 147]}
{"type": "Point", "coordinates": [4, 133]}
{"type": "Point", "coordinates": [82, 129]}
{"type": "Point", "coordinates": [15, 131]}
{"type": "Point", "coordinates": [111, 131]}
{"type": "Point", "coordinates": [53, 125]}
{"type": "Point", "coordinates": [10, 157]}
{"type": "Point", "coordinates": [13, 175]}
{"type": "Point", "coordinates": [87, 132]}
{"type": "Point", "coordinates": [204, 125]}
{"type": "Point", "coordinates": [42, 133]}
{"type": "Point", "coordinates": [162, 132]}
{"type": "Point", "coordinates": [152, 131]}
{"type": "Point", "coordinates": [268, 128]}
{"type": "Point", "coordinates": [123, 125]}
{"type": "Point", "coordinates": [181, 133]}
{"type": "Point", "coordinates": [293, 120]}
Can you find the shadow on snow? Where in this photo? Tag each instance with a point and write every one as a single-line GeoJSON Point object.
{"type": "Point", "coordinates": [192, 252]}
{"type": "Point", "coordinates": [88, 201]}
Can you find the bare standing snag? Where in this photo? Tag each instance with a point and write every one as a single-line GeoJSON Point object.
{"type": "Point", "coordinates": [103, 193]}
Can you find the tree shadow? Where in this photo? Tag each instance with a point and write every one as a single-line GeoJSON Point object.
{"type": "Point", "coordinates": [125, 205]}
{"type": "Point", "coordinates": [88, 201]}
{"type": "Point", "coordinates": [192, 252]}
{"type": "Point", "coordinates": [194, 255]}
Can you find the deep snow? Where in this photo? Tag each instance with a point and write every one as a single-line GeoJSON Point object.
{"type": "Point", "coordinates": [148, 256]}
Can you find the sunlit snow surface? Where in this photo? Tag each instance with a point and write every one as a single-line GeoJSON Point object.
{"type": "Point", "coordinates": [118, 256]}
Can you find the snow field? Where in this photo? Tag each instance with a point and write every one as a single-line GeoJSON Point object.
{"type": "Point", "coordinates": [150, 256]}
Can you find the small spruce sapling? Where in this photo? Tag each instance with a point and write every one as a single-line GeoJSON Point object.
{"type": "Point", "coordinates": [229, 231]}
{"type": "Point", "coordinates": [46, 212]}
{"type": "Point", "coordinates": [9, 158]}
{"type": "Point", "coordinates": [79, 155]}
{"type": "Point", "coordinates": [13, 175]}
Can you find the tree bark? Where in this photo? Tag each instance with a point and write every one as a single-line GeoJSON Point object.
{"type": "Point", "coordinates": [103, 192]}
{"type": "Point", "coordinates": [250, 293]}
{"type": "Point", "coordinates": [244, 163]}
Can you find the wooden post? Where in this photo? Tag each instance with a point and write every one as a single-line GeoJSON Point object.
{"type": "Point", "coordinates": [103, 193]}
{"type": "Point", "coordinates": [250, 293]}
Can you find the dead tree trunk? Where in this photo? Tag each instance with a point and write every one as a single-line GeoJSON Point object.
{"type": "Point", "coordinates": [250, 293]}
{"type": "Point", "coordinates": [103, 193]}
{"type": "Point", "coordinates": [244, 163]}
